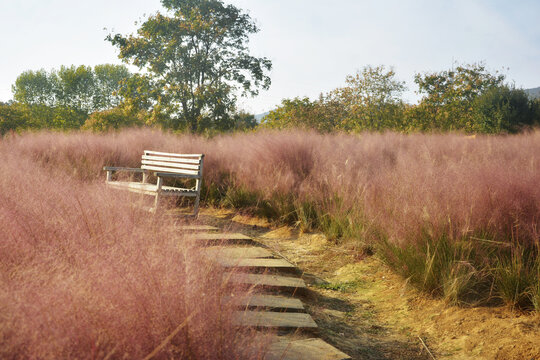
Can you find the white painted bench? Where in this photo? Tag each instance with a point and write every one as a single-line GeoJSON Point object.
{"type": "Point", "coordinates": [163, 165]}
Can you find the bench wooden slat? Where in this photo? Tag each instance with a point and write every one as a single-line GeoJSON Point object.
{"type": "Point", "coordinates": [170, 170]}
{"type": "Point", "coordinates": [171, 164]}
{"type": "Point", "coordinates": [152, 152]}
{"type": "Point", "coordinates": [116, 168]}
{"type": "Point", "coordinates": [172, 160]}
{"type": "Point", "coordinates": [183, 176]}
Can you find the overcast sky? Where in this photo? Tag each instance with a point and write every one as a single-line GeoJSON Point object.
{"type": "Point", "coordinates": [313, 44]}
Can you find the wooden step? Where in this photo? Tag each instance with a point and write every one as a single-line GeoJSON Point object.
{"type": "Point", "coordinates": [314, 349]}
{"type": "Point", "coordinates": [260, 264]}
{"type": "Point", "coordinates": [265, 280]}
{"type": "Point", "coordinates": [220, 238]}
{"type": "Point", "coordinates": [252, 252]}
{"type": "Point", "coordinates": [271, 319]}
{"type": "Point", "coordinates": [197, 228]}
{"type": "Point", "coordinates": [273, 302]}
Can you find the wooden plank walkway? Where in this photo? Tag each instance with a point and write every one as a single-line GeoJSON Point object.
{"type": "Point", "coordinates": [220, 236]}
{"type": "Point", "coordinates": [272, 319]}
{"type": "Point", "coordinates": [261, 264]}
{"type": "Point", "coordinates": [267, 302]}
{"type": "Point", "coordinates": [251, 252]}
{"type": "Point", "coordinates": [197, 228]}
{"type": "Point", "coordinates": [313, 349]}
{"type": "Point", "coordinates": [265, 311]}
{"type": "Point", "coordinates": [264, 280]}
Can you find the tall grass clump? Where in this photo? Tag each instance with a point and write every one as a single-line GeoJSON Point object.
{"type": "Point", "coordinates": [85, 274]}
{"type": "Point", "coordinates": [446, 211]}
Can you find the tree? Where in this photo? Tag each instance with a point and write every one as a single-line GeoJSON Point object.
{"type": "Point", "coordinates": [300, 113]}
{"type": "Point", "coordinates": [109, 79]}
{"type": "Point", "coordinates": [196, 54]}
{"type": "Point", "coordinates": [371, 99]}
{"type": "Point", "coordinates": [12, 118]}
{"type": "Point", "coordinates": [74, 88]}
{"type": "Point", "coordinates": [80, 88]}
{"type": "Point", "coordinates": [503, 109]}
{"type": "Point", "coordinates": [35, 87]}
{"type": "Point", "coordinates": [449, 95]}
{"type": "Point", "coordinates": [244, 121]}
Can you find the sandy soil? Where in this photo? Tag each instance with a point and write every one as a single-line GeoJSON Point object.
{"type": "Point", "coordinates": [368, 312]}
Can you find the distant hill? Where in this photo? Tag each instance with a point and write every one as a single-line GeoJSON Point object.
{"type": "Point", "coordinates": [259, 117]}
{"type": "Point", "coordinates": [533, 93]}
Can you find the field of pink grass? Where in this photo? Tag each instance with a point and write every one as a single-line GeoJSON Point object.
{"type": "Point", "coordinates": [85, 274]}
{"type": "Point", "coordinates": [447, 184]}
{"type": "Point", "coordinates": [404, 196]}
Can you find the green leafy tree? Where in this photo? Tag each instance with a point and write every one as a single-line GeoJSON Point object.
{"type": "Point", "coordinates": [299, 113]}
{"type": "Point", "coordinates": [244, 121]}
{"type": "Point", "coordinates": [371, 99]}
{"type": "Point", "coordinates": [109, 79]}
{"type": "Point", "coordinates": [536, 108]}
{"type": "Point", "coordinates": [503, 109]}
{"type": "Point", "coordinates": [197, 56]}
{"type": "Point", "coordinates": [448, 97]}
{"type": "Point", "coordinates": [12, 118]}
{"type": "Point", "coordinates": [75, 87]}
{"type": "Point", "coordinates": [35, 87]}
{"type": "Point", "coordinates": [63, 99]}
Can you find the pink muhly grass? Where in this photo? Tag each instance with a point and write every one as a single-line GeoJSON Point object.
{"type": "Point", "coordinates": [85, 274]}
{"type": "Point", "coordinates": [403, 184]}
{"type": "Point", "coordinates": [392, 189]}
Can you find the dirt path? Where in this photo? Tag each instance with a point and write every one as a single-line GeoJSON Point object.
{"type": "Point", "coordinates": [369, 313]}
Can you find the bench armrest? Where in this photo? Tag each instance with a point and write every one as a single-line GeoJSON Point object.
{"type": "Point", "coordinates": [186, 176]}
{"type": "Point", "coordinates": [113, 168]}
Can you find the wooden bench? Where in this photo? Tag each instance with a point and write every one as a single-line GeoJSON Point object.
{"type": "Point", "coordinates": [163, 165]}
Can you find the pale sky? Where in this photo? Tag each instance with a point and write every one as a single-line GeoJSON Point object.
{"type": "Point", "coordinates": [313, 44]}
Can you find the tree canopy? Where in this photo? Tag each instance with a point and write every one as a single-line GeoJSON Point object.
{"type": "Point", "coordinates": [370, 100]}
{"type": "Point", "coordinates": [472, 99]}
{"type": "Point", "coordinates": [197, 58]}
{"type": "Point", "coordinates": [467, 98]}
{"type": "Point", "coordinates": [80, 88]}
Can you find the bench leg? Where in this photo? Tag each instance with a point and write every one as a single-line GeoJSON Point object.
{"type": "Point", "coordinates": [158, 191]}
{"type": "Point", "coordinates": [156, 202]}
{"type": "Point", "coordinates": [196, 210]}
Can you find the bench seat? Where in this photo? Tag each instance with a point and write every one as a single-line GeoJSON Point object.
{"type": "Point", "coordinates": [151, 189]}
{"type": "Point", "coordinates": [162, 165]}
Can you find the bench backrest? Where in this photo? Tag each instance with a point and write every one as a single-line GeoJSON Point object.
{"type": "Point", "coordinates": [185, 164]}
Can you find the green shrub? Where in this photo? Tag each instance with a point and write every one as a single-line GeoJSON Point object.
{"type": "Point", "coordinates": [113, 119]}
{"type": "Point", "coordinates": [439, 266]}
{"type": "Point", "coordinates": [535, 289]}
{"type": "Point", "coordinates": [502, 109]}
{"type": "Point", "coordinates": [12, 118]}
{"type": "Point", "coordinates": [515, 277]}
